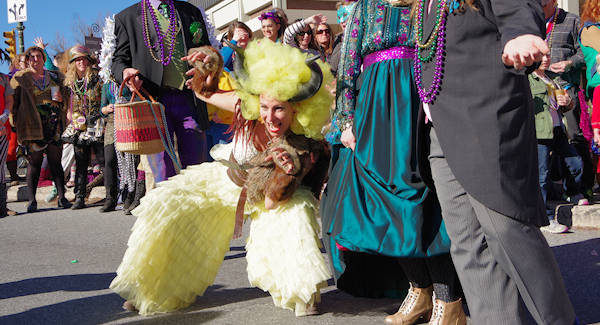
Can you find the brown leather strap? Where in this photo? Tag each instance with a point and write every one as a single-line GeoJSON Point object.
{"type": "Point", "coordinates": [239, 214]}
{"type": "Point", "coordinates": [237, 176]}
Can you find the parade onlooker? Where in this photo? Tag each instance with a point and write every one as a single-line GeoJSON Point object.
{"type": "Point", "coordinates": [49, 65]}
{"type": "Point", "coordinates": [344, 9]}
{"type": "Point", "coordinates": [238, 34]}
{"type": "Point", "coordinates": [374, 183]}
{"type": "Point", "coordinates": [554, 87]}
{"type": "Point", "coordinates": [550, 103]}
{"type": "Point", "coordinates": [324, 39]}
{"type": "Point", "coordinates": [273, 25]}
{"type": "Point", "coordinates": [590, 45]}
{"type": "Point", "coordinates": [6, 102]}
{"type": "Point", "coordinates": [483, 159]}
{"type": "Point", "coordinates": [18, 63]}
{"type": "Point", "coordinates": [39, 118]}
{"type": "Point", "coordinates": [300, 34]}
{"type": "Point", "coordinates": [84, 115]}
{"type": "Point", "coordinates": [162, 73]}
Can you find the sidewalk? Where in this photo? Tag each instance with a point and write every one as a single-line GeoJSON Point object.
{"type": "Point", "coordinates": [19, 194]}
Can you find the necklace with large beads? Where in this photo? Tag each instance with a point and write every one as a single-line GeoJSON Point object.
{"type": "Point", "coordinates": [42, 85]}
{"type": "Point", "coordinates": [163, 40]}
{"type": "Point", "coordinates": [427, 96]}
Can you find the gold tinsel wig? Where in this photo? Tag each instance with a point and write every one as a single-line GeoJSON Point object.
{"type": "Point", "coordinates": [283, 73]}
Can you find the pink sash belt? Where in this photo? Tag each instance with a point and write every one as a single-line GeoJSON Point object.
{"type": "Point", "coordinates": [400, 52]}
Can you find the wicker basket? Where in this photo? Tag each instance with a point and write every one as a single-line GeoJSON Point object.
{"type": "Point", "coordinates": [139, 125]}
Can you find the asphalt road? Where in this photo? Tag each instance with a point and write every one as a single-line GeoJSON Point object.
{"type": "Point", "coordinates": [56, 266]}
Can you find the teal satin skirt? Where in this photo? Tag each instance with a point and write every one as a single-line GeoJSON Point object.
{"type": "Point", "coordinates": [375, 201]}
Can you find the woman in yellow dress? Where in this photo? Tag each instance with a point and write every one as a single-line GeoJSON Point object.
{"type": "Point", "coordinates": [184, 226]}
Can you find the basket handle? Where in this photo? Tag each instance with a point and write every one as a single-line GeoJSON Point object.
{"type": "Point", "coordinates": [136, 92]}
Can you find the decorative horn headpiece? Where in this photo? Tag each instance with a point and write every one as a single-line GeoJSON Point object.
{"type": "Point", "coordinates": [310, 88]}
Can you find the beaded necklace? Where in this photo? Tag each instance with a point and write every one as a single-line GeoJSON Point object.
{"type": "Point", "coordinates": [432, 41]}
{"type": "Point", "coordinates": [80, 86]}
{"type": "Point", "coordinates": [41, 86]}
{"type": "Point", "coordinates": [438, 44]}
{"type": "Point", "coordinates": [552, 27]}
{"type": "Point", "coordinates": [163, 40]}
{"type": "Point", "coordinates": [80, 89]}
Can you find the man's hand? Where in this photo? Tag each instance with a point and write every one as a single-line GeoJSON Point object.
{"type": "Point", "coordinates": [560, 67]}
{"type": "Point", "coordinates": [196, 56]}
{"type": "Point", "coordinates": [39, 42]}
{"type": "Point", "coordinates": [524, 50]}
{"type": "Point", "coordinates": [135, 82]}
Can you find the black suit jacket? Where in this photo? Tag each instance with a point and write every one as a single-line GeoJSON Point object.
{"type": "Point", "coordinates": [131, 51]}
{"type": "Point", "coordinates": [483, 115]}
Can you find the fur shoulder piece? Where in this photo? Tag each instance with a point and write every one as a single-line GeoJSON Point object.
{"type": "Point", "coordinates": [271, 178]}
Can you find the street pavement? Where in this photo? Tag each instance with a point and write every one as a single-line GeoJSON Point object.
{"type": "Point", "coordinates": [56, 266]}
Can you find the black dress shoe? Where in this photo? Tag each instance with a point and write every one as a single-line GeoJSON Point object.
{"type": "Point", "coordinates": [32, 207]}
{"type": "Point", "coordinates": [79, 204]}
{"type": "Point", "coordinates": [64, 203]}
{"type": "Point", "coordinates": [109, 205]}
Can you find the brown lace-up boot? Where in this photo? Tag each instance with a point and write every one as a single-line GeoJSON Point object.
{"type": "Point", "coordinates": [417, 304]}
{"type": "Point", "coordinates": [448, 313]}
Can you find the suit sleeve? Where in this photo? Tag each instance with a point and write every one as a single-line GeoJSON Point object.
{"type": "Point", "coordinates": [518, 17]}
{"type": "Point", "coordinates": [122, 56]}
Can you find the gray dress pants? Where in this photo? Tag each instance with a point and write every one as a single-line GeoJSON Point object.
{"type": "Point", "coordinates": [498, 258]}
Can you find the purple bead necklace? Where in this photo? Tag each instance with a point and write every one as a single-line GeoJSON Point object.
{"type": "Point", "coordinates": [164, 40]}
{"type": "Point", "coordinates": [427, 96]}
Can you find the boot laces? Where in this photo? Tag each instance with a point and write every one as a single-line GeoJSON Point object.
{"type": "Point", "coordinates": [409, 302]}
{"type": "Point", "coordinates": [438, 313]}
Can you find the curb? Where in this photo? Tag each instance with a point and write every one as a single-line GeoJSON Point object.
{"type": "Point", "coordinates": [18, 193]}
{"type": "Point", "coordinates": [579, 216]}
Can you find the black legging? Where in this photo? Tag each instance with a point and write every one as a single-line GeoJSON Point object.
{"type": "Point", "coordinates": [110, 171]}
{"type": "Point", "coordinates": [437, 270]}
{"type": "Point", "coordinates": [54, 154]}
{"type": "Point", "coordinates": [82, 161]}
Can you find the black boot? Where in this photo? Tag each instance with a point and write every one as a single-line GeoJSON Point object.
{"type": "Point", "coordinates": [32, 206]}
{"type": "Point", "coordinates": [80, 189]}
{"type": "Point", "coordinates": [3, 209]}
{"type": "Point", "coordinates": [79, 203]}
{"type": "Point", "coordinates": [140, 191]}
{"type": "Point", "coordinates": [64, 203]}
{"type": "Point", "coordinates": [12, 170]}
{"type": "Point", "coordinates": [111, 199]}
{"type": "Point", "coordinates": [128, 198]}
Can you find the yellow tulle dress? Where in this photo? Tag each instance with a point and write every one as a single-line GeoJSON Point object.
{"type": "Point", "coordinates": [182, 234]}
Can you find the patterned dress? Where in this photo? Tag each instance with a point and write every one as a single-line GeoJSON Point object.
{"type": "Point", "coordinates": [376, 207]}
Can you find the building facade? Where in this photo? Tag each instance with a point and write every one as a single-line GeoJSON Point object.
{"type": "Point", "coordinates": [222, 12]}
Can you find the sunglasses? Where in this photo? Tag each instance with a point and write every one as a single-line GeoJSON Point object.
{"type": "Point", "coordinates": [322, 31]}
{"type": "Point", "coordinates": [302, 33]}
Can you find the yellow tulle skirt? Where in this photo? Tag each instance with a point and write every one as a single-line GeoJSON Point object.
{"type": "Point", "coordinates": [179, 240]}
{"type": "Point", "coordinates": [182, 233]}
{"type": "Point", "coordinates": [284, 253]}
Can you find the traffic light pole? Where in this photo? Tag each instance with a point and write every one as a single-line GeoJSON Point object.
{"type": "Point", "coordinates": [20, 29]}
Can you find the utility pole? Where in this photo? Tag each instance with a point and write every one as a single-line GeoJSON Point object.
{"type": "Point", "coordinates": [20, 29]}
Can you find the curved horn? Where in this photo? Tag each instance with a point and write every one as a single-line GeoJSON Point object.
{"type": "Point", "coordinates": [238, 63]}
{"type": "Point", "coordinates": [312, 86]}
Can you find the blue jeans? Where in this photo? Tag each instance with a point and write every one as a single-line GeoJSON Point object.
{"type": "Point", "coordinates": [559, 145]}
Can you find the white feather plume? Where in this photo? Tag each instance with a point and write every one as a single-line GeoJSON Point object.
{"type": "Point", "coordinates": [109, 43]}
